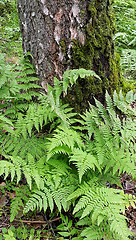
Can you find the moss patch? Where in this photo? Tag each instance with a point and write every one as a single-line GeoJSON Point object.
{"type": "Point", "coordinates": [97, 54]}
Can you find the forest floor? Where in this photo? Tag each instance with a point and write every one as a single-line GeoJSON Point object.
{"type": "Point", "coordinates": [38, 222]}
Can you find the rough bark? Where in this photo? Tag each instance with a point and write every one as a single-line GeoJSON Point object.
{"type": "Point", "coordinates": [67, 34]}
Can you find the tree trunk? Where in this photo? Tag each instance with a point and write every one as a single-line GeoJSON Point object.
{"type": "Point", "coordinates": [68, 34]}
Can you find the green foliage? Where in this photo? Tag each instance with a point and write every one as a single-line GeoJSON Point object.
{"type": "Point", "coordinates": [102, 204]}
{"type": "Point", "coordinates": [113, 142]}
{"type": "Point", "coordinates": [17, 86]}
{"type": "Point", "coordinates": [128, 63]}
{"type": "Point", "coordinates": [70, 76]}
{"type": "Point", "coordinates": [125, 37]}
{"type": "Point", "coordinates": [10, 37]}
{"type": "Point", "coordinates": [21, 233]}
{"type": "Point", "coordinates": [66, 229]}
{"type": "Point", "coordinates": [125, 19]}
{"type": "Point", "coordinates": [18, 203]}
{"type": "Point", "coordinates": [59, 182]}
{"type": "Point", "coordinates": [15, 166]}
{"type": "Point", "coordinates": [67, 160]}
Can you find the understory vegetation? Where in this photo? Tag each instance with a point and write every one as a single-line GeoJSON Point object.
{"type": "Point", "coordinates": [69, 161]}
{"type": "Point", "coordinates": [54, 163]}
{"type": "Point", "coordinates": [125, 37]}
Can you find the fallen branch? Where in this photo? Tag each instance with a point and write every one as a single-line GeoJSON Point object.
{"type": "Point", "coordinates": [37, 222]}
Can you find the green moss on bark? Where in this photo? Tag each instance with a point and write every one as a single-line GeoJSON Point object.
{"type": "Point", "coordinates": [62, 45]}
{"type": "Point", "coordinates": [97, 54]}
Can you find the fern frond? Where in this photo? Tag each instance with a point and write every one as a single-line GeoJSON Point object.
{"type": "Point", "coordinates": [6, 125]}
{"type": "Point", "coordinates": [120, 103]}
{"type": "Point", "coordinates": [13, 144]}
{"type": "Point", "coordinates": [112, 135]}
{"type": "Point", "coordinates": [17, 87]}
{"type": "Point", "coordinates": [17, 203]}
{"type": "Point", "coordinates": [83, 161]}
{"type": "Point", "coordinates": [52, 193]}
{"type": "Point", "coordinates": [130, 97]}
{"type": "Point", "coordinates": [103, 231]}
{"type": "Point", "coordinates": [71, 76]}
{"type": "Point", "coordinates": [95, 232]}
{"type": "Point", "coordinates": [103, 203]}
{"type": "Point", "coordinates": [55, 106]}
{"type": "Point", "coordinates": [16, 166]}
{"type": "Point", "coordinates": [64, 140]}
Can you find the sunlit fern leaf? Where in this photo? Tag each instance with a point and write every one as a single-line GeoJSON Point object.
{"type": "Point", "coordinates": [57, 187]}
{"type": "Point", "coordinates": [130, 97]}
{"type": "Point", "coordinates": [102, 112]}
{"type": "Point", "coordinates": [58, 150]}
{"type": "Point", "coordinates": [60, 165]}
{"type": "Point", "coordinates": [93, 232]}
{"type": "Point", "coordinates": [6, 125]}
{"type": "Point", "coordinates": [83, 161]}
{"type": "Point", "coordinates": [102, 231]}
{"type": "Point", "coordinates": [112, 134]}
{"type": "Point", "coordinates": [102, 203]}
{"type": "Point", "coordinates": [34, 172]}
{"type": "Point", "coordinates": [58, 90]}
{"type": "Point", "coordinates": [110, 105]}
{"type": "Point", "coordinates": [64, 137]}
{"type": "Point", "coordinates": [18, 87]}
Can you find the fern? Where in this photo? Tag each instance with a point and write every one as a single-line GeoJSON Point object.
{"type": "Point", "coordinates": [16, 166]}
{"type": "Point", "coordinates": [64, 140]}
{"type": "Point", "coordinates": [71, 76]}
{"type": "Point", "coordinates": [57, 188]}
{"type": "Point", "coordinates": [102, 204]}
{"type": "Point", "coordinates": [20, 146]}
{"type": "Point", "coordinates": [95, 232]}
{"type": "Point", "coordinates": [17, 203]}
{"type": "Point", "coordinates": [62, 162]}
{"type": "Point", "coordinates": [6, 125]}
{"type": "Point", "coordinates": [83, 161]}
{"type": "Point", "coordinates": [17, 86]}
{"type": "Point", "coordinates": [125, 37]}
{"type": "Point", "coordinates": [109, 145]}
{"type": "Point", "coordinates": [112, 135]}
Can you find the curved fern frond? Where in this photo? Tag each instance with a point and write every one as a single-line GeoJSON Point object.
{"type": "Point", "coordinates": [83, 161]}
{"type": "Point", "coordinates": [71, 76]}
{"type": "Point", "coordinates": [16, 145]}
{"type": "Point", "coordinates": [17, 86]}
{"type": "Point", "coordinates": [64, 140]}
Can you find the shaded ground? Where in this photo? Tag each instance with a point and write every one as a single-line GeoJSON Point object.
{"type": "Point", "coordinates": [46, 227]}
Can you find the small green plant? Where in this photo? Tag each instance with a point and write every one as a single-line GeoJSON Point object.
{"type": "Point", "coordinates": [21, 233]}
{"type": "Point", "coordinates": [67, 159]}
{"type": "Point", "coordinates": [17, 203]}
{"type": "Point", "coordinates": [67, 230]}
